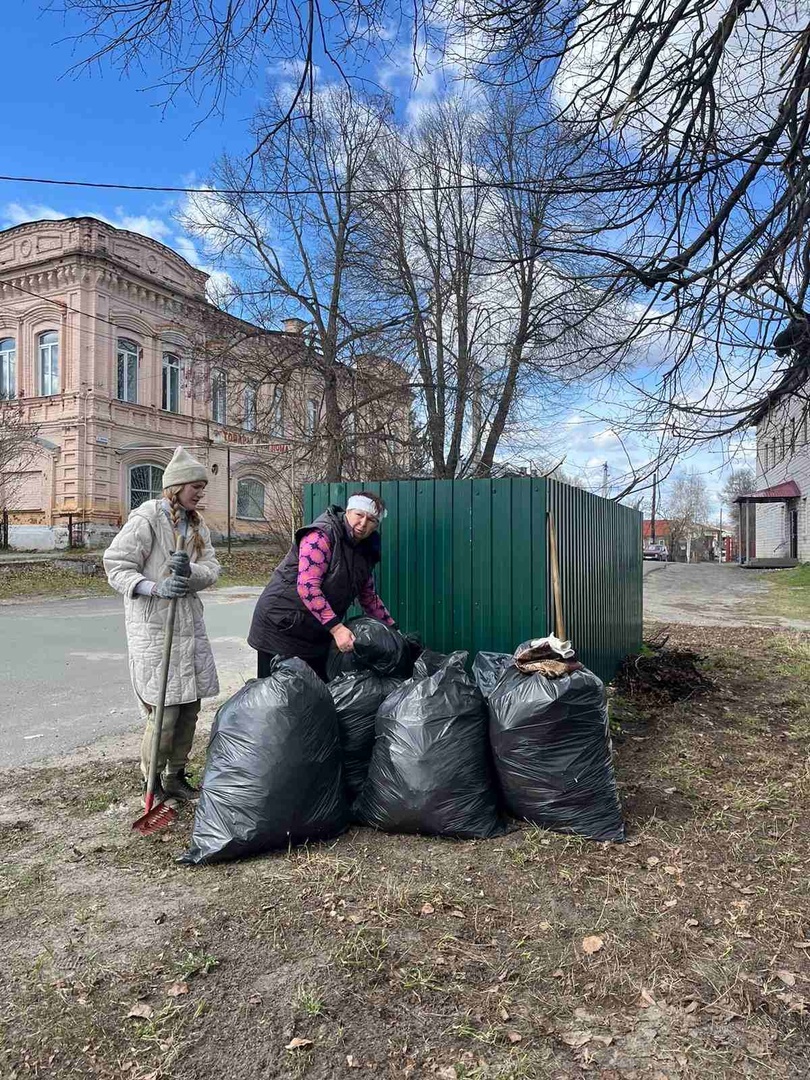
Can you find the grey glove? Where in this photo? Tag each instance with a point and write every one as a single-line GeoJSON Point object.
{"type": "Point", "coordinates": [171, 588]}
{"type": "Point", "coordinates": [180, 564]}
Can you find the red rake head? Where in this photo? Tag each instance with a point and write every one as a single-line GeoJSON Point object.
{"type": "Point", "coordinates": [159, 817]}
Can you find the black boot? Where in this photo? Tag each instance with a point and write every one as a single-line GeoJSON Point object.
{"type": "Point", "coordinates": [176, 786]}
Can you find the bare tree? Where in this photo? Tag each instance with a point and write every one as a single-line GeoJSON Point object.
{"type": "Point", "coordinates": [296, 255]}
{"type": "Point", "coordinates": [686, 508]}
{"type": "Point", "coordinates": [18, 450]}
{"type": "Point", "coordinates": [741, 481]}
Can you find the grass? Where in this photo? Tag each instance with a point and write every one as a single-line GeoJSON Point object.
{"type": "Point", "coordinates": [19, 581]}
{"type": "Point", "coordinates": [790, 592]}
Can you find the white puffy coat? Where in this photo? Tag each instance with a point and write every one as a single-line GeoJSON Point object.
{"type": "Point", "coordinates": [141, 551]}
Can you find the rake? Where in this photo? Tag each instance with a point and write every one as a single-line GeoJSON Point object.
{"type": "Point", "coordinates": [161, 816]}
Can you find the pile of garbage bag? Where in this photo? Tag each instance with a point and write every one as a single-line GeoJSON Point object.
{"type": "Point", "coordinates": [409, 746]}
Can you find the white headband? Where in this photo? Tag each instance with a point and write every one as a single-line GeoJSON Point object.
{"type": "Point", "coordinates": [360, 502]}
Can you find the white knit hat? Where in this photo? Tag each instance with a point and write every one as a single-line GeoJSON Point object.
{"type": "Point", "coordinates": [183, 469]}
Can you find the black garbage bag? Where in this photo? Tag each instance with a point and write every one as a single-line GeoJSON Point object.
{"type": "Point", "coordinates": [552, 754]}
{"type": "Point", "coordinates": [377, 648]}
{"type": "Point", "coordinates": [488, 668]}
{"type": "Point", "coordinates": [429, 770]}
{"type": "Point", "coordinates": [357, 696]}
{"type": "Point", "coordinates": [273, 774]}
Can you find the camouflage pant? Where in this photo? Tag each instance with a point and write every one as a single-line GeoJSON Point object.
{"type": "Point", "coordinates": [176, 736]}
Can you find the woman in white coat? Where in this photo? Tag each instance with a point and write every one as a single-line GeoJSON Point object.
{"type": "Point", "coordinates": [142, 565]}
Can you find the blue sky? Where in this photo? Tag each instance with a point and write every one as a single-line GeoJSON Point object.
{"type": "Point", "coordinates": [105, 127]}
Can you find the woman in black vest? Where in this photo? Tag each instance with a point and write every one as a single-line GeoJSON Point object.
{"type": "Point", "coordinates": [330, 565]}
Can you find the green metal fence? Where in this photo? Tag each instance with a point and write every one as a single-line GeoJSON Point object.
{"type": "Point", "coordinates": [465, 563]}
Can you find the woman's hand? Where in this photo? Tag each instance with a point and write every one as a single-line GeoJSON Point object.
{"type": "Point", "coordinates": [344, 638]}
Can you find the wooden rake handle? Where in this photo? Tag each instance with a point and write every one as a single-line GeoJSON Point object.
{"type": "Point", "coordinates": [559, 622]}
{"type": "Point", "coordinates": [179, 545]}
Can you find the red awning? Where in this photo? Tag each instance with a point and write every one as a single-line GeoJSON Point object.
{"type": "Point", "coordinates": [778, 493]}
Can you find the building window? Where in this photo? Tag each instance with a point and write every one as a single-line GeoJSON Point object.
{"type": "Point", "coordinates": [312, 416]}
{"type": "Point", "coordinates": [8, 366]}
{"type": "Point", "coordinates": [171, 382]}
{"type": "Point", "coordinates": [48, 351]}
{"type": "Point", "coordinates": [219, 397]}
{"type": "Point", "coordinates": [783, 444]}
{"type": "Point", "coordinates": [249, 408]}
{"type": "Point", "coordinates": [127, 371]}
{"type": "Point", "coordinates": [250, 499]}
{"type": "Point", "coordinates": [793, 434]}
{"type": "Point", "coordinates": [145, 482]}
{"type": "Point", "coordinates": [277, 412]}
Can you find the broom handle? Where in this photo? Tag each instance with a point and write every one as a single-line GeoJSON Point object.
{"type": "Point", "coordinates": [161, 701]}
{"type": "Point", "coordinates": [555, 580]}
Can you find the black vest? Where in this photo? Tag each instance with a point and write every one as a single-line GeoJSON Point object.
{"type": "Point", "coordinates": [281, 621]}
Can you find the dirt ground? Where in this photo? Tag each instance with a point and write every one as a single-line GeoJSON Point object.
{"type": "Point", "coordinates": [400, 957]}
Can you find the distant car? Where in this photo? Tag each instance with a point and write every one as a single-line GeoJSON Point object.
{"type": "Point", "coordinates": [657, 551]}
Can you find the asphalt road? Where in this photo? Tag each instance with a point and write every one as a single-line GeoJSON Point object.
{"type": "Point", "coordinates": [64, 678]}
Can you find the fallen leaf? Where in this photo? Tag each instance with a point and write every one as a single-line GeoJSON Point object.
{"type": "Point", "coordinates": [671, 870]}
{"type": "Point", "coordinates": [255, 999]}
{"type": "Point", "coordinates": [355, 919]}
{"type": "Point", "coordinates": [558, 974]}
{"type": "Point", "coordinates": [177, 989]}
{"type": "Point", "coordinates": [504, 1015]}
{"type": "Point", "coordinates": [592, 944]}
{"type": "Point", "coordinates": [691, 922]}
{"type": "Point", "coordinates": [670, 790]}
{"type": "Point", "coordinates": [514, 1036]}
{"type": "Point", "coordinates": [692, 1007]}
{"type": "Point", "coordinates": [646, 999]}
{"type": "Point", "coordinates": [427, 909]}
{"type": "Point", "coordinates": [544, 925]}
{"type": "Point", "coordinates": [457, 913]}
{"type": "Point", "coordinates": [448, 1073]}
{"type": "Point", "coordinates": [795, 1002]}
{"type": "Point", "coordinates": [298, 1044]}
{"type": "Point", "coordinates": [787, 977]}
{"type": "Point", "coordinates": [141, 1011]}
{"type": "Point", "coordinates": [653, 861]}
{"type": "Point", "coordinates": [576, 1038]}
{"type": "Point", "coordinates": [353, 1062]}
{"type": "Point", "coordinates": [606, 1040]}
{"type": "Point", "coordinates": [670, 903]}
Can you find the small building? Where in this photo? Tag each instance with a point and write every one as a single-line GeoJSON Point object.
{"type": "Point", "coordinates": [695, 543]}
{"type": "Point", "coordinates": [111, 355]}
{"type": "Point", "coordinates": [773, 522]}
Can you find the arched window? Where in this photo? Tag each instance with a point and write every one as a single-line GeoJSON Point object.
{"type": "Point", "coordinates": [249, 408]}
{"type": "Point", "coordinates": [8, 369]}
{"type": "Point", "coordinates": [312, 417]}
{"type": "Point", "coordinates": [48, 354]}
{"type": "Point", "coordinates": [250, 499]}
{"type": "Point", "coordinates": [171, 382]}
{"type": "Point", "coordinates": [219, 396]}
{"type": "Point", "coordinates": [145, 482]}
{"type": "Point", "coordinates": [127, 370]}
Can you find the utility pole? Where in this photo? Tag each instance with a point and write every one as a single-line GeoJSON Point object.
{"type": "Point", "coordinates": [652, 512]}
{"type": "Point", "coordinates": [605, 480]}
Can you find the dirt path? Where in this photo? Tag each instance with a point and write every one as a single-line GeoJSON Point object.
{"type": "Point", "coordinates": [711, 594]}
{"type": "Point", "coordinates": [411, 957]}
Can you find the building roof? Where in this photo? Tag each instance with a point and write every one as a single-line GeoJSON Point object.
{"type": "Point", "coordinates": [793, 341]}
{"type": "Point", "coordinates": [661, 529]}
{"type": "Point", "coordinates": [788, 489]}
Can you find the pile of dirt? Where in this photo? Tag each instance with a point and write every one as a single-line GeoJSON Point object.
{"type": "Point", "coordinates": [662, 672]}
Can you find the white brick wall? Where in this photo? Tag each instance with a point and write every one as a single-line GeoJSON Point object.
{"type": "Point", "coordinates": [783, 453]}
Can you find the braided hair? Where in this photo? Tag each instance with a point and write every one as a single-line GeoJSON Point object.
{"type": "Point", "coordinates": [194, 519]}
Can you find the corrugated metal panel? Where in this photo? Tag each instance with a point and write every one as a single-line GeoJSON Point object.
{"type": "Point", "coordinates": [465, 563]}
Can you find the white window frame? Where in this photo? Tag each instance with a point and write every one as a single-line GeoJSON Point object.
{"type": "Point", "coordinates": [313, 408]}
{"type": "Point", "coordinates": [277, 411]}
{"type": "Point", "coordinates": [8, 368]}
{"type": "Point", "coordinates": [250, 480]}
{"type": "Point", "coordinates": [154, 491]}
{"type": "Point", "coordinates": [125, 351]}
{"type": "Point", "coordinates": [48, 363]}
{"type": "Point", "coordinates": [249, 407]}
{"type": "Point", "coordinates": [171, 381]}
{"type": "Point", "coordinates": [219, 396]}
